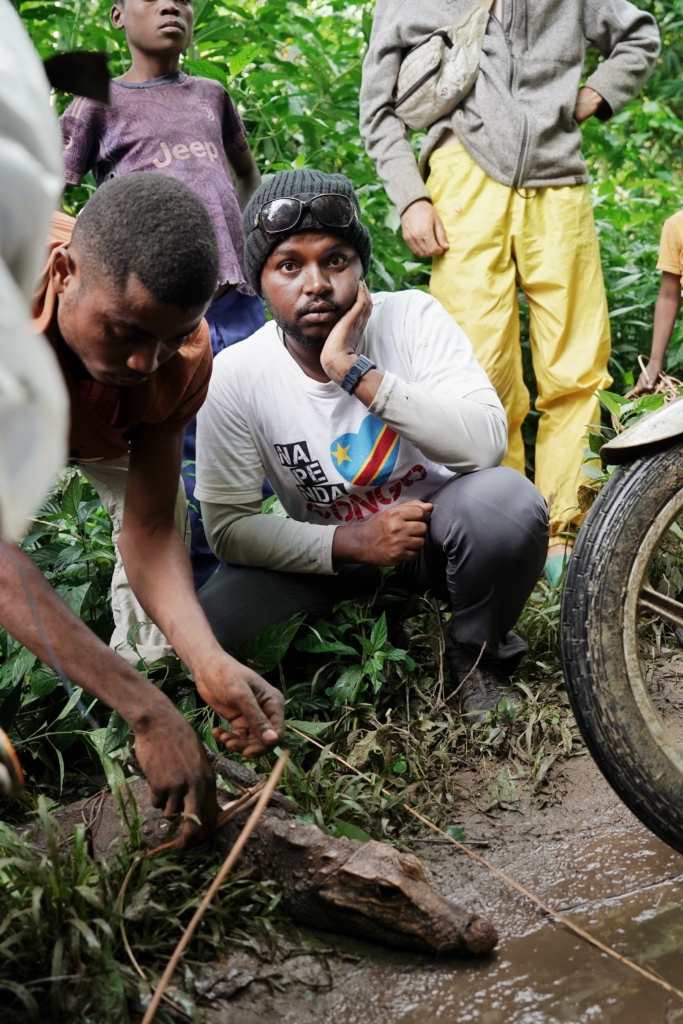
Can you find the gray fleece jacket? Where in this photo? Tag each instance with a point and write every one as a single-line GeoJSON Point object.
{"type": "Point", "coordinates": [517, 122]}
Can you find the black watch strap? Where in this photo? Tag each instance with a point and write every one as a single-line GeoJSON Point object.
{"type": "Point", "coordinates": [358, 370]}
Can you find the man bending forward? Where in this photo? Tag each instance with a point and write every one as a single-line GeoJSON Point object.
{"type": "Point", "coordinates": [379, 432]}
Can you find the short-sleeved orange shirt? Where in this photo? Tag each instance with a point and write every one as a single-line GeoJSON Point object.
{"type": "Point", "coordinates": [671, 246]}
{"type": "Point", "coordinates": [103, 417]}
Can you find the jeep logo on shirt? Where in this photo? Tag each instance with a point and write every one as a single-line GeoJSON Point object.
{"type": "Point", "coordinates": [202, 150]}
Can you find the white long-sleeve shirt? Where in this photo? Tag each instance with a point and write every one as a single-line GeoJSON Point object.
{"type": "Point", "coordinates": [330, 459]}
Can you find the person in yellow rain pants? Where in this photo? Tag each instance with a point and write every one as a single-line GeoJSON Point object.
{"type": "Point", "coordinates": [545, 241]}
{"type": "Point", "coordinates": [499, 199]}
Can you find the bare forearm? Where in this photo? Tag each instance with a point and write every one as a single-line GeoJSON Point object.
{"type": "Point", "coordinates": [247, 185]}
{"type": "Point", "coordinates": [349, 546]}
{"type": "Point", "coordinates": [81, 655]}
{"type": "Point", "coordinates": [666, 311]}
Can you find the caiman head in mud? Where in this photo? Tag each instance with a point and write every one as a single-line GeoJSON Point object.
{"type": "Point", "coordinates": [369, 890]}
{"type": "Point", "coordinates": [387, 893]}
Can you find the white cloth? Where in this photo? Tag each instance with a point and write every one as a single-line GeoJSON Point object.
{"type": "Point", "coordinates": [33, 399]}
{"type": "Point", "coordinates": [330, 459]}
{"type": "Point", "coordinates": [110, 479]}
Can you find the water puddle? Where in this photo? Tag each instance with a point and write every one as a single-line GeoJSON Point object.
{"type": "Point", "coordinates": [548, 976]}
{"type": "Point", "coordinates": [590, 859]}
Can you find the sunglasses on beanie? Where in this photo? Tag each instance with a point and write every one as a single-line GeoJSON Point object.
{"type": "Point", "coordinates": [330, 209]}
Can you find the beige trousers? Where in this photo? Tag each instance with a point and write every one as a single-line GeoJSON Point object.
{"type": "Point", "coordinates": [109, 480]}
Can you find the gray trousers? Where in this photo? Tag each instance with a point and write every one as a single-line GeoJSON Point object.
{"type": "Point", "coordinates": [485, 550]}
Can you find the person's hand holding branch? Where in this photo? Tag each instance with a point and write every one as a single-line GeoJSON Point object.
{"type": "Point", "coordinates": [179, 776]}
{"type": "Point", "coordinates": [254, 708]}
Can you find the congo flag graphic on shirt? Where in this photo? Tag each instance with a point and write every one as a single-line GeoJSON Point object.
{"type": "Point", "coordinates": [369, 456]}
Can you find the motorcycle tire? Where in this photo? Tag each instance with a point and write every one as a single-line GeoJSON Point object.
{"type": "Point", "coordinates": [606, 595]}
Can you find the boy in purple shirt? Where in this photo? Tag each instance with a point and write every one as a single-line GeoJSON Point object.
{"type": "Point", "coordinates": [160, 119]}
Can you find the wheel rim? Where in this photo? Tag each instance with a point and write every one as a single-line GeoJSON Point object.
{"type": "Point", "coordinates": [641, 599]}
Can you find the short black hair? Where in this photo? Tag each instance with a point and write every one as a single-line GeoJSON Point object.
{"type": "Point", "coordinates": [155, 227]}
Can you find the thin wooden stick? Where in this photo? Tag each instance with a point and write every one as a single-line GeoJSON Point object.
{"type": "Point", "coordinates": [570, 925]}
{"type": "Point", "coordinates": [229, 863]}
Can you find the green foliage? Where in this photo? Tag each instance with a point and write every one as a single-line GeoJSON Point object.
{"type": "Point", "coordinates": [62, 956]}
{"type": "Point", "coordinates": [623, 411]}
{"type": "Point", "coordinates": [294, 67]}
{"type": "Point", "coordinates": [70, 541]}
{"type": "Point", "coordinates": [406, 733]}
{"type": "Point", "coordinates": [372, 682]}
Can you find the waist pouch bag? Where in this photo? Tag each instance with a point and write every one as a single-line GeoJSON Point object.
{"type": "Point", "coordinates": [439, 72]}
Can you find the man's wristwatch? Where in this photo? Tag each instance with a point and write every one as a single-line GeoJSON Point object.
{"type": "Point", "coordinates": [352, 377]}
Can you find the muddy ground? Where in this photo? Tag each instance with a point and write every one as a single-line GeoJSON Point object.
{"type": "Point", "coordinates": [585, 855]}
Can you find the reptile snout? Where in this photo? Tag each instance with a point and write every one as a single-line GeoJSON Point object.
{"type": "Point", "coordinates": [388, 889]}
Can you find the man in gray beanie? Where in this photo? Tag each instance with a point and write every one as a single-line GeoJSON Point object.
{"type": "Point", "coordinates": [381, 436]}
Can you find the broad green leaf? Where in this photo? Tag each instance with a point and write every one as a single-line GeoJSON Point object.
{"type": "Point", "coordinates": [267, 648]}
{"type": "Point", "coordinates": [44, 681]}
{"type": "Point", "coordinates": [112, 769]}
{"type": "Point", "coordinates": [69, 555]}
{"type": "Point", "coordinates": [74, 596]}
{"type": "Point", "coordinates": [310, 728]}
{"type": "Point", "coordinates": [321, 645]}
{"type": "Point", "coordinates": [21, 664]}
{"type": "Point", "coordinates": [378, 636]}
{"type": "Point", "coordinates": [206, 69]}
{"type": "Point", "coordinates": [397, 654]}
{"type": "Point", "coordinates": [346, 689]}
{"type": "Point", "coordinates": [612, 402]}
{"type": "Point", "coordinates": [243, 57]}
{"type": "Point", "coordinates": [71, 498]}
{"type": "Point", "coordinates": [73, 700]}
{"type": "Point", "coordinates": [117, 732]}
{"type": "Point", "coordinates": [345, 828]}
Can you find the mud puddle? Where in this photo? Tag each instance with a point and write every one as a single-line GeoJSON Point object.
{"type": "Point", "coordinates": [548, 977]}
{"type": "Point", "coordinates": [587, 857]}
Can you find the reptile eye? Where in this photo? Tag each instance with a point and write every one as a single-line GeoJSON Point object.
{"type": "Point", "coordinates": [387, 892]}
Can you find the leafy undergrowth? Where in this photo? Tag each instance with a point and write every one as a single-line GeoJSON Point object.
{"type": "Point", "coordinates": [63, 918]}
{"type": "Point", "coordinates": [372, 685]}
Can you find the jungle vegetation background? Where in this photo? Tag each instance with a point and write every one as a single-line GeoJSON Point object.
{"type": "Point", "coordinates": [293, 67]}
{"type": "Point", "coordinates": [370, 683]}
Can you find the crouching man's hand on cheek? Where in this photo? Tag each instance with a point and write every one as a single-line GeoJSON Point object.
{"type": "Point", "coordinates": [390, 538]}
{"type": "Point", "coordinates": [339, 351]}
{"type": "Point", "coordinates": [254, 708]}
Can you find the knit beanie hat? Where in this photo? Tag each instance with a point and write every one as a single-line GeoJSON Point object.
{"type": "Point", "coordinates": [300, 184]}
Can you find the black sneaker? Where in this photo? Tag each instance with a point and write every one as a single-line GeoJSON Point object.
{"type": "Point", "coordinates": [480, 687]}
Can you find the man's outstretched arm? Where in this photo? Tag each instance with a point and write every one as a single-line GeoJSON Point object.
{"type": "Point", "coordinates": [159, 572]}
{"type": "Point", "coordinates": [169, 751]}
